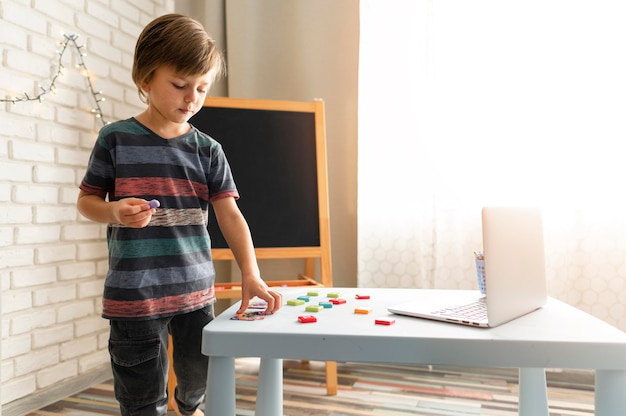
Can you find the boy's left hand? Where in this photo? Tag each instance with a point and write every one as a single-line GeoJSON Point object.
{"type": "Point", "coordinates": [257, 287]}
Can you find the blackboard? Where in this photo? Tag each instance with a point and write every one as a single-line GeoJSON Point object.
{"type": "Point", "coordinates": [272, 157]}
{"type": "Point", "coordinates": [277, 153]}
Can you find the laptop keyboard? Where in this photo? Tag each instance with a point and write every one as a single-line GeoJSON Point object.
{"type": "Point", "coordinates": [476, 311]}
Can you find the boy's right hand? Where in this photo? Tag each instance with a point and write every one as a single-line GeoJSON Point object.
{"type": "Point", "coordinates": [132, 212]}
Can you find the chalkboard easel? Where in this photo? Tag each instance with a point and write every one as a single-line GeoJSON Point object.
{"type": "Point", "coordinates": [277, 153]}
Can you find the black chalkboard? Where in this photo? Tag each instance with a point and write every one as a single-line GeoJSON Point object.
{"type": "Point", "coordinates": [272, 154]}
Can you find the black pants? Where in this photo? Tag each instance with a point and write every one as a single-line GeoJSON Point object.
{"type": "Point", "coordinates": [140, 364]}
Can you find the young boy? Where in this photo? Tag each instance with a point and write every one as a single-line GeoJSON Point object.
{"type": "Point", "coordinates": [161, 275]}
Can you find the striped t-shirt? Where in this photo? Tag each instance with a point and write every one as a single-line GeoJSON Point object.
{"type": "Point", "coordinates": [165, 268]}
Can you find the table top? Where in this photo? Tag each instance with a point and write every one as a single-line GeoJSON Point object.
{"type": "Point", "coordinates": [555, 336]}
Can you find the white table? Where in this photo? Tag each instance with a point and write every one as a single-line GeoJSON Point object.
{"type": "Point", "coordinates": [556, 336]}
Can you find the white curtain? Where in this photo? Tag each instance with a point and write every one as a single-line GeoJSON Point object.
{"type": "Point", "coordinates": [464, 104]}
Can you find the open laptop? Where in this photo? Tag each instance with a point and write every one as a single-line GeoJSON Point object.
{"type": "Point", "coordinates": [514, 274]}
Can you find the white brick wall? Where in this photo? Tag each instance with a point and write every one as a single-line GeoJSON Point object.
{"type": "Point", "coordinates": [52, 260]}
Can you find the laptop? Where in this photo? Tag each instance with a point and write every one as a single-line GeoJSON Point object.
{"type": "Point", "coordinates": [514, 274]}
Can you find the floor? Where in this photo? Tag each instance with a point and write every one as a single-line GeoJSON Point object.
{"type": "Point", "coordinates": [376, 390]}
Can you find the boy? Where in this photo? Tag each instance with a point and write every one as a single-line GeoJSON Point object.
{"type": "Point", "coordinates": [161, 275]}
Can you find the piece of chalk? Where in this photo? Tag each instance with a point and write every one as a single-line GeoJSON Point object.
{"type": "Point", "coordinates": [154, 203]}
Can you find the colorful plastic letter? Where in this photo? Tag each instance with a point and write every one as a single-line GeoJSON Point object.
{"type": "Point", "coordinates": [314, 308]}
{"type": "Point", "coordinates": [307, 319]}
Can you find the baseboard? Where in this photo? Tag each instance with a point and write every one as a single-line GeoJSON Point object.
{"type": "Point", "coordinates": [40, 399]}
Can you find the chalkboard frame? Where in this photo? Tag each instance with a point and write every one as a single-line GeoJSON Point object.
{"type": "Point", "coordinates": [313, 253]}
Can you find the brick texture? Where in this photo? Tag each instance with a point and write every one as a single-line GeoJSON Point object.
{"type": "Point", "coordinates": [52, 260]}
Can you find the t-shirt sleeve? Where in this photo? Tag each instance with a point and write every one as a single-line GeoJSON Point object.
{"type": "Point", "coordinates": [99, 178]}
{"type": "Point", "coordinates": [220, 177]}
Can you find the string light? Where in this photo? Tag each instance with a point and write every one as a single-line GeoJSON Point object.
{"type": "Point", "coordinates": [69, 41]}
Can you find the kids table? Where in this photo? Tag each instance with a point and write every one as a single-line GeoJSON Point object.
{"type": "Point", "coordinates": [555, 336]}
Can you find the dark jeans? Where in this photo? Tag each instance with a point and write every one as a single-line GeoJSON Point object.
{"type": "Point", "coordinates": [140, 365]}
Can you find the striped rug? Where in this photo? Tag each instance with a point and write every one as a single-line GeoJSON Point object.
{"type": "Point", "coordinates": [376, 390]}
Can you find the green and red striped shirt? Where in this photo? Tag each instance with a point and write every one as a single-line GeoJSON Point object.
{"type": "Point", "coordinates": [165, 268]}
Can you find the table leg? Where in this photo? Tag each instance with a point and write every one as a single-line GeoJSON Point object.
{"type": "Point", "coordinates": [220, 388]}
{"type": "Point", "coordinates": [269, 398]}
{"type": "Point", "coordinates": [610, 394]}
{"type": "Point", "coordinates": [533, 395]}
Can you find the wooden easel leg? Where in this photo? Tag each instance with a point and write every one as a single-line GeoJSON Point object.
{"type": "Point", "coordinates": [171, 379]}
{"type": "Point", "coordinates": [331, 378]}
{"type": "Point", "coordinates": [309, 268]}
{"type": "Point", "coordinates": [331, 366]}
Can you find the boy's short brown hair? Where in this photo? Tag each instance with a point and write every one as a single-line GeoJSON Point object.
{"type": "Point", "coordinates": [178, 41]}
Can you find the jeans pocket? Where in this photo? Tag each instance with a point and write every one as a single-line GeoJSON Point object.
{"type": "Point", "coordinates": [139, 370]}
{"type": "Point", "coordinates": [132, 353]}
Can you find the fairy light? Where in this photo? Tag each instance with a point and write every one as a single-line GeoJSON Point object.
{"type": "Point", "coordinates": [69, 41]}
